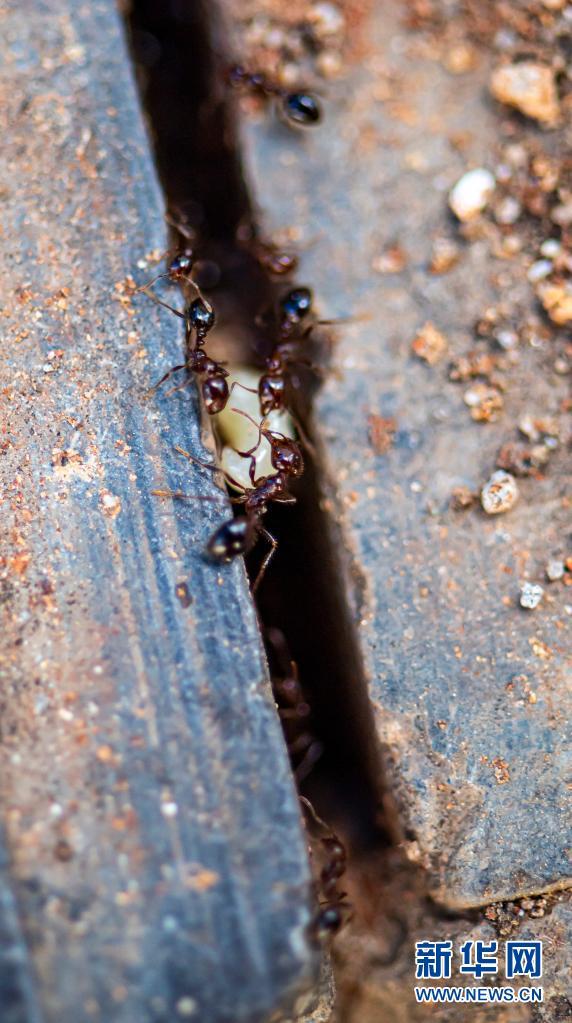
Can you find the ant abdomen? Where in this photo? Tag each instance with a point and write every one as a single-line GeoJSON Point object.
{"type": "Point", "coordinates": [231, 539]}
{"type": "Point", "coordinates": [295, 305]}
{"type": "Point", "coordinates": [301, 108]}
{"type": "Point", "coordinates": [215, 394]}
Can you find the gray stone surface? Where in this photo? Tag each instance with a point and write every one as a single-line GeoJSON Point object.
{"type": "Point", "coordinates": [155, 867]}
{"type": "Point", "coordinates": [471, 692]}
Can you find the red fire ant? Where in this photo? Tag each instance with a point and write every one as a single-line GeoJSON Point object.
{"type": "Point", "coordinates": [181, 265]}
{"type": "Point", "coordinates": [199, 319]}
{"type": "Point", "coordinates": [294, 311]}
{"type": "Point", "coordinates": [334, 907]}
{"type": "Point", "coordinates": [238, 535]}
{"type": "Point", "coordinates": [299, 108]}
{"type": "Point", "coordinates": [277, 261]}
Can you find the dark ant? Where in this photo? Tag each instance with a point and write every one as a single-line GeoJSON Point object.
{"type": "Point", "coordinates": [276, 261]}
{"type": "Point", "coordinates": [181, 265]}
{"type": "Point", "coordinates": [294, 710]}
{"type": "Point", "coordinates": [238, 535]}
{"type": "Point", "coordinates": [294, 310]}
{"type": "Point", "coordinates": [285, 453]}
{"type": "Point", "coordinates": [199, 320]}
{"type": "Point", "coordinates": [298, 107]}
{"type": "Point", "coordinates": [333, 910]}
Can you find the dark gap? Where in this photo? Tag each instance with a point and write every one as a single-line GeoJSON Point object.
{"type": "Point", "coordinates": [181, 76]}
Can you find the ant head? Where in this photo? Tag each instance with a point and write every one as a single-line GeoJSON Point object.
{"type": "Point", "coordinates": [296, 304]}
{"type": "Point", "coordinates": [200, 316]}
{"type": "Point", "coordinates": [215, 393]}
{"type": "Point", "coordinates": [286, 456]}
{"type": "Point", "coordinates": [302, 108]}
{"type": "Point", "coordinates": [182, 264]}
{"type": "Point", "coordinates": [230, 540]}
{"type": "Point", "coordinates": [326, 923]}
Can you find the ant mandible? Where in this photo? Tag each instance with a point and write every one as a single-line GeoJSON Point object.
{"type": "Point", "coordinates": [300, 108]}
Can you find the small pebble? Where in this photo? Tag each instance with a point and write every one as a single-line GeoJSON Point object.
{"type": "Point", "coordinates": [530, 595]}
{"type": "Point", "coordinates": [539, 270]}
{"type": "Point", "coordinates": [444, 254]}
{"type": "Point", "coordinates": [508, 210]}
{"type": "Point", "coordinates": [326, 19]}
{"type": "Point", "coordinates": [557, 301]}
{"type": "Point", "coordinates": [529, 87]}
{"type": "Point", "coordinates": [500, 493]}
{"type": "Point", "coordinates": [429, 344]}
{"type": "Point", "coordinates": [186, 1006]}
{"type": "Point", "coordinates": [551, 248]}
{"type": "Point", "coordinates": [507, 339]}
{"type": "Point", "coordinates": [555, 570]}
{"type": "Point", "coordinates": [471, 194]}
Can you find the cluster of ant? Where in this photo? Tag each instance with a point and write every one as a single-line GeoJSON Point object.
{"type": "Point", "coordinates": [293, 320]}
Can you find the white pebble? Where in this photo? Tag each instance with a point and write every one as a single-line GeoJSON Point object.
{"type": "Point", "coordinates": [530, 595]}
{"type": "Point", "coordinates": [169, 809]}
{"type": "Point", "coordinates": [500, 493]}
{"type": "Point", "coordinates": [539, 270]}
{"type": "Point", "coordinates": [471, 193]}
{"type": "Point", "coordinates": [551, 248]}
{"type": "Point", "coordinates": [554, 570]}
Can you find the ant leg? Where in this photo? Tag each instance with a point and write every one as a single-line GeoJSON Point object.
{"type": "Point", "coordinates": [181, 496]}
{"type": "Point", "coordinates": [237, 383]}
{"type": "Point", "coordinates": [178, 387]}
{"type": "Point", "coordinates": [180, 226]}
{"type": "Point", "coordinates": [159, 301]}
{"type": "Point", "coordinates": [174, 369]}
{"type": "Point", "coordinates": [310, 758]}
{"type": "Point", "coordinates": [192, 458]}
{"type": "Point", "coordinates": [274, 544]}
{"type": "Point", "coordinates": [310, 447]}
{"type": "Point", "coordinates": [158, 277]}
{"type": "Point", "coordinates": [315, 817]}
{"type": "Point", "coordinates": [213, 468]}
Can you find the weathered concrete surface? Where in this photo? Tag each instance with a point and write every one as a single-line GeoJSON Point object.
{"type": "Point", "coordinates": [471, 693]}
{"type": "Point", "coordinates": [155, 867]}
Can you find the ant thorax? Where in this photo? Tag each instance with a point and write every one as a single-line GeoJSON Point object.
{"type": "Point", "coordinates": [236, 432]}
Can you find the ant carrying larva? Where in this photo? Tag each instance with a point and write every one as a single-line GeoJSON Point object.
{"type": "Point", "coordinates": [297, 107]}
{"type": "Point", "coordinates": [237, 536]}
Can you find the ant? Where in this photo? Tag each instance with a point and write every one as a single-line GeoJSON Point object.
{"type": "Point", "coordinates": [285, 453]}
{"type": "Point", "coordinates": [277, 261]}
{"type": "Point", "coordinates": [181, 265]}
{"type": "Point", "coordinates": [294, 310]}
{"type": "Point", "coordinates": [331, 915]}
{"type": "Point", "coordinates": [199, 319]}
{"type": "Point", "coordinates": [298, 107]}
{"type": "Point", "coordinates": [238, 535]}
{"type": "Point", "coordinates": [294, 710]}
